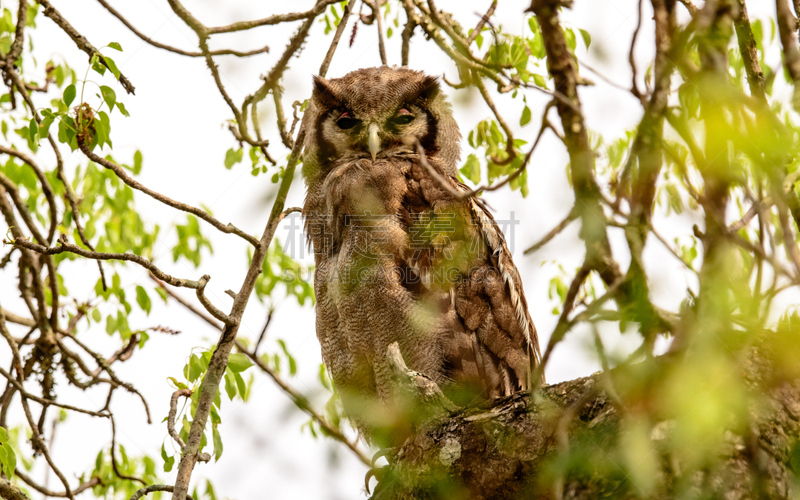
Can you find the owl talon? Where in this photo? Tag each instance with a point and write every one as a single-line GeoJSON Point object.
{"type": "Point", "coordinates": [376, 472]}
{"type": "Point", "coordinates": [384, 452]}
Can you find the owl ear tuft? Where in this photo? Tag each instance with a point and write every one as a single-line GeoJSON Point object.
{"type": "Point", "coordinates": [429, 87]}
{"type": "Point", "coordinates": [323, 92]}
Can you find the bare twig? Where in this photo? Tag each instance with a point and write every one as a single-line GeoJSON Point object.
{"type": "Point", "coordinates": [176, 50]}
{"type": "Point", "coordinates": [173, 411]}
{"type": "Point", "coordinates": [152, 488]}
{"type": "Point", "coordinates": [205, 317]}
{"type": "Point", "coordinates": [379, 23]}
{"type": "Point", "coordinates": [787, 29]}
{"type": "Point", "coordinates": [65, 246]}
{"type": "Point", "coordinates": [276, 19]}
{"type": "Point", "coordinates": [114, 456]}
{"type": "Point", "coordinates": [225, 228]}
{"type": "Point", "coordinates": [479, 27]}
{"type": "Point", "coordinates": [571, 216]}
{"type": "Point", "coordinates": [631, 60]}
{"type": "Point", "coordinates": [209, 306]}
{"type": "Point", "coordinates": [90, 483]}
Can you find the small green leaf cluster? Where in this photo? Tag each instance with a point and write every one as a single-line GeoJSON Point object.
{"type": "Point", "coordinates": [279, 268]}
{"type": "Point", "coordinates": [488, 138]}
{"type": "Point", "coordinates": [111, 485]}
{"type": "Point", "coordinates": [193, 373]}
{"type": "Point", "coordinates": [8, 457]}
{"type": "Point", "coordinates": [333, 15]}
{"type": "Point", "coordinates": [191, 242]}
{"type": "Point", "coordinates": [258, 161]}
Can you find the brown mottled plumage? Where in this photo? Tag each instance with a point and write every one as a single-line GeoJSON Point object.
{"type": "Point", "coordinates": [401, 259]}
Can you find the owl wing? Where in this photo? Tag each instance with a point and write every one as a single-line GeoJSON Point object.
{"type": "Point", "coordinates": [489, 342]}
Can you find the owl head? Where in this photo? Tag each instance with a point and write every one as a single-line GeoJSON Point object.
{"type": "Point", "coordinates": [371, 113]}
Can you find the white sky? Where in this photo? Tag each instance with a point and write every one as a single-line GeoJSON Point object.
{"type": "Point", "coordinates": [178, 121]}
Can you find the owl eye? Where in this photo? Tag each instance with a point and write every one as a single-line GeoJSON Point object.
{"type": "Point", "coordinates": [403, 117]}
{"type": "Point", "coordinates": [346, 121]}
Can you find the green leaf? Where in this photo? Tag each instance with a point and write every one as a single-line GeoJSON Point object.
{"type": "Point", "coordinates": [122, 109]}
{"type": "Point", "coordinates": [96, 315]}
{"type": "Point", "coordinates": [69, 94]}
{"type": "Point", "coordinates": [97, 66]}
{"type": "Point", "coordinates": [240, 385]}
{"type": "Point", "coordinates": [137, 162]}
{"type": "Point", "coordinates": [143, 299]}
{"type": "Point", "coordinates": [168, 461]}
{"type": "Point", "coordinates": [571, 41]}
{"type": "Point", "coordinates": [587, 38]}
{"type": "Point", "coordinates": [230, 384]}
{"type": "Point", "coordinates": [163, 294]}
{"type": "Point", "coordinates": [111, 324]}
{"type": "Point", "coordinates": [472, 169]}
{"type": "Point", "coordinates": [33, 131]}
{"type": "Point", "coordinates": [239, 362]}
{"type": "Point", "coordinates": [109, 96]}
{"type": "Point", "coordinates": [195, 368]}
{"type": "Point", "coordinates": [526, 116]}
{"type": "Point", "coordinates": [11, 459]}
{"type": "Point", "coordinates": [115, 46]}
{"type": "Point", "coordinates": [217, 443]}
{"type": "Point", "coordinates": [289, 357]}
{"type": "Point", "coordinates": [232, 157]}
{"type": "Point", "coordinates": [112, 66]}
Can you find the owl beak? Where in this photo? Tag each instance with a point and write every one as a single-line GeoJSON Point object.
{"type": "Point", "coordinates": [373, 140]}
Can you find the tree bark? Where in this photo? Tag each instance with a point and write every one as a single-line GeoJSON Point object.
{"type": "Point", "coordinates": [516, 447]}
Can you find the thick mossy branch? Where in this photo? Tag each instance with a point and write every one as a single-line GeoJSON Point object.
{"type": "Point", "coordinates": [564, 442]}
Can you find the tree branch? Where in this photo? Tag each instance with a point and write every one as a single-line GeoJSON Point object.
{"type": "Point", "coordinates": [82, 42]}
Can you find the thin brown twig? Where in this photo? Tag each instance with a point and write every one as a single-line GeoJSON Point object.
{"type": "Point", "coordinates": [691, 7]}
{"type": "Point", "coordinates": [153, 488]}
{"type": "Point", "coordinates": [173, 411]}
{"type": "Point", "coordinates": [204, 316]}
{"type": "Point", "coordinates": [133, 183]}
{"type": "Point", "coordinates": [571, 216]}
{"type": "Point", "coordinates": [379, 23]}
{"type": "Point", "coordinates": [47, 402]}
{"type": "Point", "coordinates": [479, 27]}
{"type": "Point", "coordinates": [176, 50]}
{"type": "Point", "coordinates": [787, 29]}
{"type": "Point", "coordinates": [19, 33]}
{"type": "Point", "coordinates": [405, 41]}
{"type": "Point", "coordinates": [65, 246]}
{"type": "Point", "coordinates": [90, 483]}
{"type": "Point", "coordinates": [114, 464]}
{"type": "Point", "coordinates": [200, 291]}
{"type": "Point", "coordinates": [276, 19]}
{"type": "Point", "coordinates": [326, 62]}
{"type": "Point", "coordinates": [631, 60]}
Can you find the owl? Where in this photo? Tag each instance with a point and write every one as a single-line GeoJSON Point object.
{"type": "Point", "coordinates": [399, 258]}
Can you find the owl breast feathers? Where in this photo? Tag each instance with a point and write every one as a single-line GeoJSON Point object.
{"type": "Point", "coordinates": [399, 258]}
